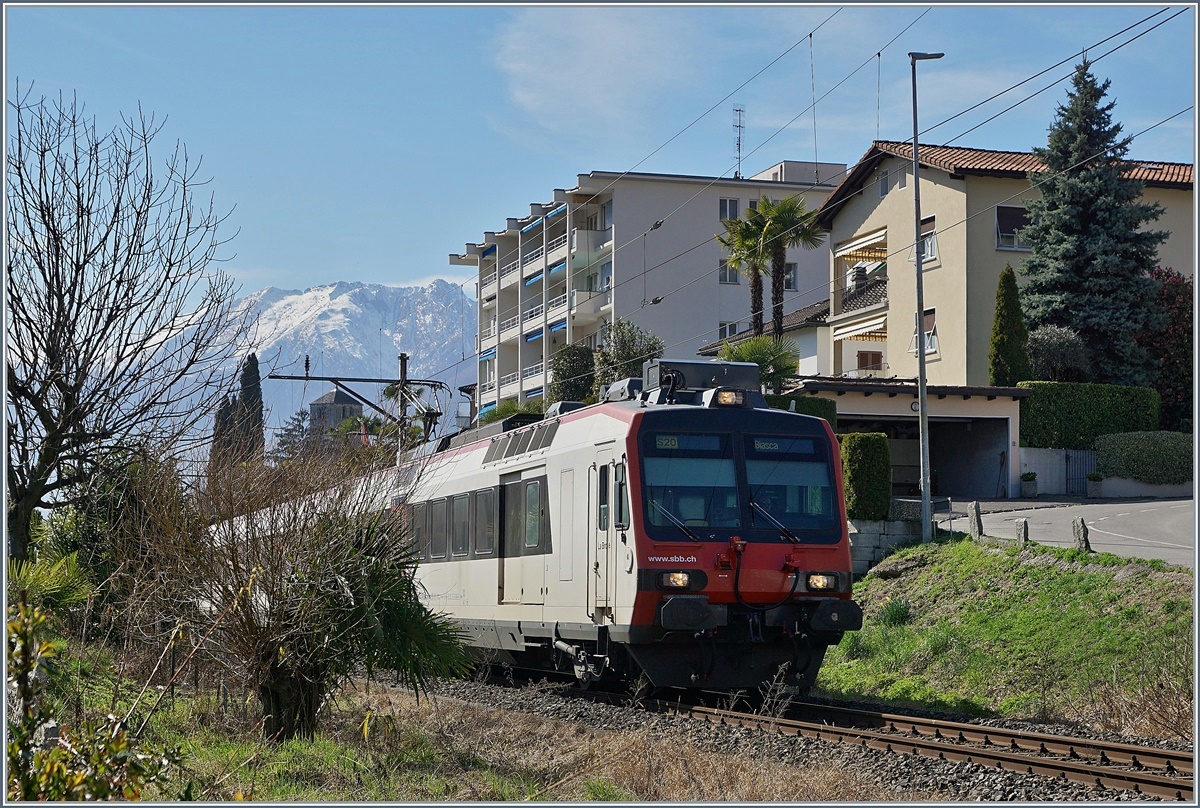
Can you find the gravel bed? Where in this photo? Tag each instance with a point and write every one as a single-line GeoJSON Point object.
{"type": "Point", "coordinates": [890, 771]}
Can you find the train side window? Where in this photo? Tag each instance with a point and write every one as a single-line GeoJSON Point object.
{"type": "Point", "coordinates": [514, 519]}
{"type": "Point", "coordinates": [620, 498]}
{"type": "Point", "coordinates": [416, 527]}
{"type": "Point", "coordinates": [602, 499]}
{"type": "Point", "coordinates": [460, 516]}
{"type": "Point", "coordinates": [437, 528]}
{"type": "Point", "coordinates": [485, 521]}
{"type": "Point", "coordinates": [533, 513]}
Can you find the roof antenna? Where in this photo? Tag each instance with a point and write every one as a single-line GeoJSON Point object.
{"type": "Point", "coordinates": [739, 126]}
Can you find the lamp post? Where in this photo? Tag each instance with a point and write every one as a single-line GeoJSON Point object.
{"type": "Point", "coordinates": [919, 253]}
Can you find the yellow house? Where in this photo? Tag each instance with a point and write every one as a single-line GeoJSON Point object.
{"type": "Point", "coordinates": [972, 205]}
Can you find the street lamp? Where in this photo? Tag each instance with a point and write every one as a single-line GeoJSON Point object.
{"type": "Point", "coordinates": [919, 253]}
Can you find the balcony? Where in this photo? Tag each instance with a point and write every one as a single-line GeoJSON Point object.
{"type": "Point", "coordinates": [880, 371]}
{"type": "Point", "coordinates": [509, 378]}
{"type": "Point", "coordinates": [508, 270]}
{"type": "Point", "coordinates": [531, 371]}
{"type": "Point", "coordinates": [487, 280]}
{"type": "Point", "coordinates": [557, 302]}
{"type": "Point", "coordinates": [510, 323]}
{"type": "Point", "coordinates": [588, 306]}
{"type": "Point", "coordinates": [591, 243]}
{"type": "Point", "coordinates": [533, 313]}
{"type": "Point", "coordinates": [487, 387]}
{"type": "Point", "coordinates": [555, 249]}
{"type": "Point", "coordinates": [531, 256]}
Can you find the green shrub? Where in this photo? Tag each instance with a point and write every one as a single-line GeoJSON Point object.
{"type": "Point", "coordinates": [1149, 457]}
{"type": "Point", "coordinates": [867, 475]}
{"type": "Point", "coordinates": [807, 405]}
{"type": "Point", "coordinates": [1071, 415]}
{"type": "Point", "coordinates": [895, 612]}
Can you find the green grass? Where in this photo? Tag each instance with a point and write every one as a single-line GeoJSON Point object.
{"type": "Point", "coordinates": [1010, 632]}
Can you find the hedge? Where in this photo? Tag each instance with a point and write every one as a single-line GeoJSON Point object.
{"type": "Point", "coordinates": [1158, 458]}
{"type": "Point", "coordinates": [1071, 415]}
{"type": "Point", "coordinates": [807, 405]}
{"type": "Point", "coordinates": [867, 475]}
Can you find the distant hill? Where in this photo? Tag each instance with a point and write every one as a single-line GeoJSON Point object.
{"type": "Point", "coordinates": [357, 329]}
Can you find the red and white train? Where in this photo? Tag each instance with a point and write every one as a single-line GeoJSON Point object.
{"type": "Point", "coordinates": [680, 528]}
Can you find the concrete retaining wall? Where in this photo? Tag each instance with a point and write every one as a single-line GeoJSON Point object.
{"type": "Point", "coordinates": [1126, 487]}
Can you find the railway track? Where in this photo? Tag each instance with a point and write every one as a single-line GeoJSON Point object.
{"type": "Point", "coordinates": [1151, 771]}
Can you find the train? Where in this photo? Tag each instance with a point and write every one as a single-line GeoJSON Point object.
{"type": "Point", "coordinates": [679, 533]}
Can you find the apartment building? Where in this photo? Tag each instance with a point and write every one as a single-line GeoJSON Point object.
{"type": "Point", "coordinates": [634, 246]}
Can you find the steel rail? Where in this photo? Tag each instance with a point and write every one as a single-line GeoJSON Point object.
{"type": "Point", "coordinates": [1025, 762]}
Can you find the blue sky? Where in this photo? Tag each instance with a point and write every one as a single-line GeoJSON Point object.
{"type": "Point", "coordinates": [367, 143]}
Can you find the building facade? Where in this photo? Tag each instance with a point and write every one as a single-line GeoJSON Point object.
{"type": "Point", "coordinates": [639, 247]}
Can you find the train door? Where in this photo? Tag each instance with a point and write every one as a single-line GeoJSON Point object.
{"type": "Point", "coordinates": [511, 510]}
{"type": "Point", "coordinates": [565, 519]}
{"type": "Point", "coordinates": [533, 541]}
{"type": "Point", "coordinates": [601, 530]}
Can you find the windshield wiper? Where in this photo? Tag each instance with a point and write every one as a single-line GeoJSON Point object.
{"type": "Point", "coordinates": [675, 521]}
{"type": "Point", "coordinates": [783, 531]}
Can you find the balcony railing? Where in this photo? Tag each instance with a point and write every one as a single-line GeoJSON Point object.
{"type": "Point", "coordinates": [532, 370]}
{"type": "Point", "coordinates": [561, 300]}
{"type": "Point", "coordinates": [509, 378]}
{"type": "Point", "coordinates": [556, 243]}
{"type": "Point", "coordinates": [488, 330]}
{"type": "Point", "coordinates": [511, 322]}
{"type": "Point", "coordinates": [531, 256]}
{"type": "Point", "coordinates": [879, 371]}
{"type": "Point", "coordinates": [487, 387]}
{"type": "Point", "coordinates": [509, 269]}
{"type": "Point", "coordinates": [534, 313]}
{"type": "Point", "coordinates": [487, 280]}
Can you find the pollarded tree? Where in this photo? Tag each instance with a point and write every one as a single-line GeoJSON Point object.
{"type": "Point", "coordinates": [573, 368]}
{"type": "Point", "coordinates": [626, 347]}
{"type": "Point", "coordinates": [1171, 345]}
{"type": "Point", "coordinates": [1092, 256]}
{"type": "Point", "coordinates": [786, 223]}
{"type": "Point", "coordinates": [118, 322]}
{"type": "Point", "coordinates": [1008, 358]}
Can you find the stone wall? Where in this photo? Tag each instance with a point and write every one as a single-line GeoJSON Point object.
{"type": "Point", "coordinates": [871, 541]}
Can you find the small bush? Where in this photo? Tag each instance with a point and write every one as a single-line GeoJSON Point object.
{"type": "Point", "coordinates": [1070, 415]}
{"type": "Point", "coordinates": [1029, 476]}
{"type": "Point", "coordinates": [867, 474]}
{"type": "Point", "coordinates": [807, 405]}
{"type": "Point", "coordinates": [895, 612]}
{"type": "Point", "coordinates": [1158, 458]}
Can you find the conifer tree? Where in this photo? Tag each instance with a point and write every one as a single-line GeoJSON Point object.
{"type": "Point", "coordinates": [1008, 359]}
{"type": "Point", "coordinates": [1089, 269]}
{"type": "Point", "coordinates": [250, 411]}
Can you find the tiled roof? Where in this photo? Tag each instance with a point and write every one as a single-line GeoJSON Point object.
{"type": "Point", "coordinates": [980, 162]}
{"type": "Point", "coordinates": [873, 292]}
{"type": "Point", "coordinates": [816, 313]}
{"type": "Point", "coordinates": [337, 397]}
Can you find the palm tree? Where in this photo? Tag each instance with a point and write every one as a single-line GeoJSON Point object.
{"type": "Point", "coordinates": [743, 240]}
{"type": "Point", "coordinates": [786, 223]}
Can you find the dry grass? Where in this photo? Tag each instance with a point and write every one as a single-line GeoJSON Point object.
{"type": "Point", "coordinates": [563, 761]}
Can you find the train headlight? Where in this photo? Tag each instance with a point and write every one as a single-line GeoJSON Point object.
{"type": "Point", "coordinates": [731, 398]}
{"type": "Point", "coordinates": [821, 581]}
{"type": "Point", "coordinates": [674, 580]}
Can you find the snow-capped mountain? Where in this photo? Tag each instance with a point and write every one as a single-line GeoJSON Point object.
{"type": "Point", "coordinates": [357, 329]}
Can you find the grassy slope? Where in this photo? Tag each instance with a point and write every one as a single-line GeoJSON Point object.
{"type": "Point", "coordinates": [1035, 633]}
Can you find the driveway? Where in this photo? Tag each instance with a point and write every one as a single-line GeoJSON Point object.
{"type": "Point", "coordinates": [1163, 528]}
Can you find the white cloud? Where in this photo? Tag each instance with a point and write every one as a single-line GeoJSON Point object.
{"type": "Point", "coordinates": [572, 69]}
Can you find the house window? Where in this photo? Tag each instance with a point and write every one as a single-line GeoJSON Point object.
{"type": "Point", "coordinates": [789, 277]}
{"type": "Point", "coordinates": [726, 273]}
{"type": "Point", "coordinates": [881, 179]}
{"type": "Point", "coordinates": [901, 177]}
{"type": "Point", "coordinates": [928, 241]}
{"type": "Point", "coordinates": [752, 204]}
{"type": "Point", "coordinates": [606, 215]}
{"type": "Point", "coordinates": [729, 208]}
{"type": "Point", "coordinates": [870, 360]}
{"type": "Point", "coordinates": [726, 330]}
{"type": "Point", "coordinates": [605, 276]}
{"type": "Point", "coordinates": [929, 333]}
{"type": "Point", "coordinates": [1009, 221]}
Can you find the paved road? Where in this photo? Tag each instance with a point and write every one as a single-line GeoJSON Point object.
{"type": "Point", "coordinates": [1162, 529]}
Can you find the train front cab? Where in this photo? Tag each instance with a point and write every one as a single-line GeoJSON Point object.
{"type": "Point", "coordinates": [740, 547]}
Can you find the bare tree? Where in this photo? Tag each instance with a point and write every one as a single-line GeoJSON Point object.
{"type": "Point", "coordinates": [118, 324]}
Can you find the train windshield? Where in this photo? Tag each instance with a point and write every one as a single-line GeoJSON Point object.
{"type": "Point", "coordinates": [790, 483]}
{"type": "Point", "coordinates": [691, 480]}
